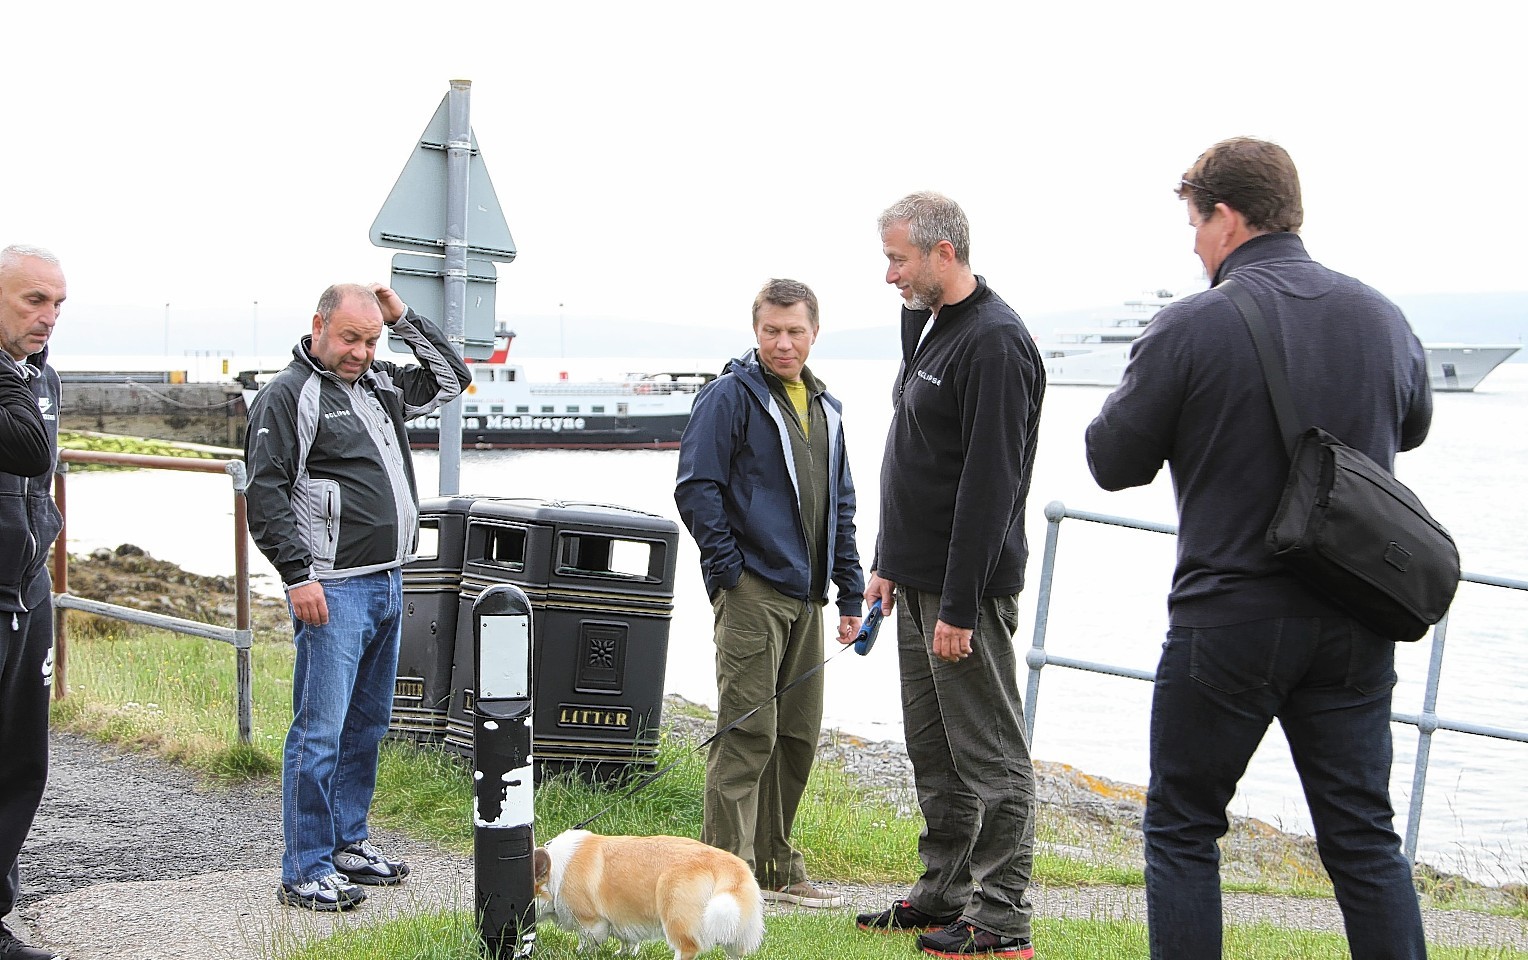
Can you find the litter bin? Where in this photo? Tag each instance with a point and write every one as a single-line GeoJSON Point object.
{"type": "Point", "coordinates": [600, 580]}
{"type": "Point", "coordinates": [431, 590]}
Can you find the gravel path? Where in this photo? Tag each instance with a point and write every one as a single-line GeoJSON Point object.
{"type": "Point", "coordinates": [133, 859]}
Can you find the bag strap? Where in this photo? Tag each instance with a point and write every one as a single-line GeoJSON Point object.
{"type": "Point", "coordinates": [1274, 373]}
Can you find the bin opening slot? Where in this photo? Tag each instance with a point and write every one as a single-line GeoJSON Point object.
{"type": "Point", "coordinates": [427, 545]}
{"type": "Point", "coordinates": [504, 547]}
{"type": "Point", "coordinates": [603, 555]}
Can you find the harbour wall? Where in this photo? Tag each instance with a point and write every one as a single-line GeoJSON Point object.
{"type": "Point", "coordinates": [210, 413]}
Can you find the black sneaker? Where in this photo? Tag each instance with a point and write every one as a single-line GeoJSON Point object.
{"type": "Point", "coordinates": [329, 894]}
{"type": "Point", "coordinates": [364, 863]}
{"type": "Point", "coordinates": [12, 948]}
{"type": "Point", "coordinates": [964, 939]}
{"type": "Point", "coordinates": [902, 917]}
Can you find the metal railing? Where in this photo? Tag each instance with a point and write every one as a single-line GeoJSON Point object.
{"type": "Point", "coordinates": [240, 635]}
{"type": "Point", "coordinates": [1427, 721]}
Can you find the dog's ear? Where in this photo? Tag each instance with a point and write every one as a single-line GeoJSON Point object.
{"type": "Point", "coordinates": [541, 865]}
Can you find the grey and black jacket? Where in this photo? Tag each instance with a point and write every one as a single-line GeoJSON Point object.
{"type": "Point", "coordinates": [331, 483]}
{"type": "Point", "coordinates": [29, 520]}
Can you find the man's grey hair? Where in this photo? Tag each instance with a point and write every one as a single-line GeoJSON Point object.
{"type": "Point", "coordinates": [331, 298]}
{"type": "Point", "coordinates": [930, 218]}
{"type": "Point", "coordinates": [17, 252]}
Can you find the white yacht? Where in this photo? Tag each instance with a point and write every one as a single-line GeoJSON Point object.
{"type": "Point", "coordinates": [1096, 355]}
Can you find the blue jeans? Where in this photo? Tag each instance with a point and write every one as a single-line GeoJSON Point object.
{"type": "Point", "coordinates": [342, 697]}
{"type": "Point", "coordinates": [1328, 681]}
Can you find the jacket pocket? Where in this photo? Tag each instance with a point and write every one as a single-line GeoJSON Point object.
{"type": "Point", "coordinates": [323, 520]}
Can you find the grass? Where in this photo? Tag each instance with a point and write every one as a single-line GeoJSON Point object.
{"type": "Point", "coordinates": [451, 936]}
{"type": "Point", "coordinates": [173, 696]}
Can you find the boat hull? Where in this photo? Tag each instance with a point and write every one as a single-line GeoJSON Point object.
{"type": "Point", "coordinates": [1459, 367]}
{"type": "Point", "coordinates": [522, 431]}
{"type": "Point", "coordinates": [1452, 367]}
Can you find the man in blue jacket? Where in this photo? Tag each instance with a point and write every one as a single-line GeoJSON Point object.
{"type": "Point", "coordinates": [1247, 640]}
{"type": "Point", "coordinates": [32, 291]}
{"type": "Point", "coordinates": [764, 487]}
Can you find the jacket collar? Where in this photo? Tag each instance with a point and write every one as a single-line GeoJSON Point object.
{"type": "Point", "coordinates": [913, 321]}
{"type": "Point", "coordinates": [1263, 248]}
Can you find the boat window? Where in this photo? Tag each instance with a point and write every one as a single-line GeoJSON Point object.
{"type": "Point", "coordinates": [482, 373]}
{"type": "Point", "coordinates": [496, 408]}
{"type": "Point", "coordinates": [598, 408]}
{"type": "Point", "coordinates": [470, 408]}
{"type": "Point", "coordinates": [522, 408]}
{"type": "Point", "coordinates": [573, 409]}
{"type": "Point", "coordinates": [620, 409]}
{"type": "Point", "coordinates": [509, 374]}
{"type": "Point", "coordinates": [548, 408]}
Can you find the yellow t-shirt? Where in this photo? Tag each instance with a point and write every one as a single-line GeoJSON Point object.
{"type": "Point", "coordinates": [796, 390]}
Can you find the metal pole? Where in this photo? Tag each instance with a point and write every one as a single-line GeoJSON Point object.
{"type": "Point", "coordinates": [243, 664]}
{"type": "Point", "coordinates": [458, 168]}
{"type": "Point", "coordinates": [1427, 723]}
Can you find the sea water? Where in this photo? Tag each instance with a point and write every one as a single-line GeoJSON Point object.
{"type": "Point", "coordinates": [1108, 602]}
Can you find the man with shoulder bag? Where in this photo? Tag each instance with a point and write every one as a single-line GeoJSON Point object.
{"type": "Point", "coordinates": [1250, 639]}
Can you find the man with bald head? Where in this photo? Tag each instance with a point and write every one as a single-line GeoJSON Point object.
{"type": "Point", "coordinates": [31, 293]}
{"type": "Point", "coordinates": [333, 506]}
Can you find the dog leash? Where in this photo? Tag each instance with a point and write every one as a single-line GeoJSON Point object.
{"type": "Point", "coordinates": [862, 644]}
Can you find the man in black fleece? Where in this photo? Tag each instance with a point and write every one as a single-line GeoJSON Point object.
{"type": "Point", "coordinates": [1247, 641]}
{"type": "Point", "coordinates": [951, 553]}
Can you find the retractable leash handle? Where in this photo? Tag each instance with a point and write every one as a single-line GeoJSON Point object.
{"type": "Point", "coordinates": [869, 627]}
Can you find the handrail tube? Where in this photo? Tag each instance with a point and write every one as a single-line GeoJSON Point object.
{"type": "Point", "coordinates": [163, 621]}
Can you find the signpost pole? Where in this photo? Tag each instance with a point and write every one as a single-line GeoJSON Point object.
{"type": "Point", "coordinates": [458, 156]}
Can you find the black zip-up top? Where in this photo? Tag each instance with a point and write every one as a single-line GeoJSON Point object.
{"type": "Point", "coordinates": [29, 520]}
{"type": "Point", "coordinates": [959, 455]}
{"type": "Point", "coordinates": [331, 483]}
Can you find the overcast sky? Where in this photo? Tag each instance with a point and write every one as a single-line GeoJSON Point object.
{"type": "Point", "coordinates": [657, 161]}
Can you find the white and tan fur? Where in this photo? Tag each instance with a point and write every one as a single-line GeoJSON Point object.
{"type": "Point", "coordinates": [636, 889]}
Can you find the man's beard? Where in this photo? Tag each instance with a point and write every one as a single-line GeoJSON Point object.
{"type": "Point", "coordinates": [925, 297]}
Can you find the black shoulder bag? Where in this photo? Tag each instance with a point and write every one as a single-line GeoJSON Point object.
{"type": "Point", "coordinates": [1345, 525]}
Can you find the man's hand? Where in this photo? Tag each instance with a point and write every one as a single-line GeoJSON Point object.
{"type": "Point", "coordinates": [392, 304]}
{"type": "Point", "coordinates": [951, 644]}
{"type": "Point", "coordinates": [882, 590]}
{"type": "Point", "coordinates": [848, 629]}
{"type": "Point", "coordinates": [309, 605]}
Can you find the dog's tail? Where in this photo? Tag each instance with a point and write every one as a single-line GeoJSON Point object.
{"type": "Point", "coordinates": [734, 919]}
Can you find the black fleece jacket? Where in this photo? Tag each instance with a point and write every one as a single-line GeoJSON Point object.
{"type": "Point", "coordinates": [1193, 395]}
{"type": "Point", "coordinates": [959, 455]}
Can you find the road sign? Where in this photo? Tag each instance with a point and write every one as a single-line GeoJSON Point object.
{"type": "Point", "coordinates": [417, 279]}
{"type": "Point", "coordinates": [414, 216]}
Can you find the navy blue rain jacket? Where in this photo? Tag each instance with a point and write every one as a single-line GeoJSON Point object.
{"type": "Point", "coordinates": [737, 490]}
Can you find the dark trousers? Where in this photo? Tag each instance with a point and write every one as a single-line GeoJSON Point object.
{"type": "Point", "coordinates": [964, 724]}
{"type": "Point", "coordinates": [1328, 681]}
{"type": "Point", "coordinates": [26, 680]}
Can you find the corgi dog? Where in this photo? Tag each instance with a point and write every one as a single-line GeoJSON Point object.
{"type": "Point", "coordinates": [689, 894]}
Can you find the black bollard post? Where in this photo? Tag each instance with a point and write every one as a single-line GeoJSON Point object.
{"type": "Point", "coordinates": [503, 806]}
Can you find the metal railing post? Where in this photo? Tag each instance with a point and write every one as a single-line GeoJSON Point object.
{"type": "Point", "coordinates": [1055, 511]}
{"type": "Point", "coordinates": [60, 585]}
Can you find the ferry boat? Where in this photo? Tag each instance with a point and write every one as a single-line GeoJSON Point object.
{"type": "Point", "coordinates": [1096, 355]}
{"type": "Point", "coordinates": [501, 408]}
